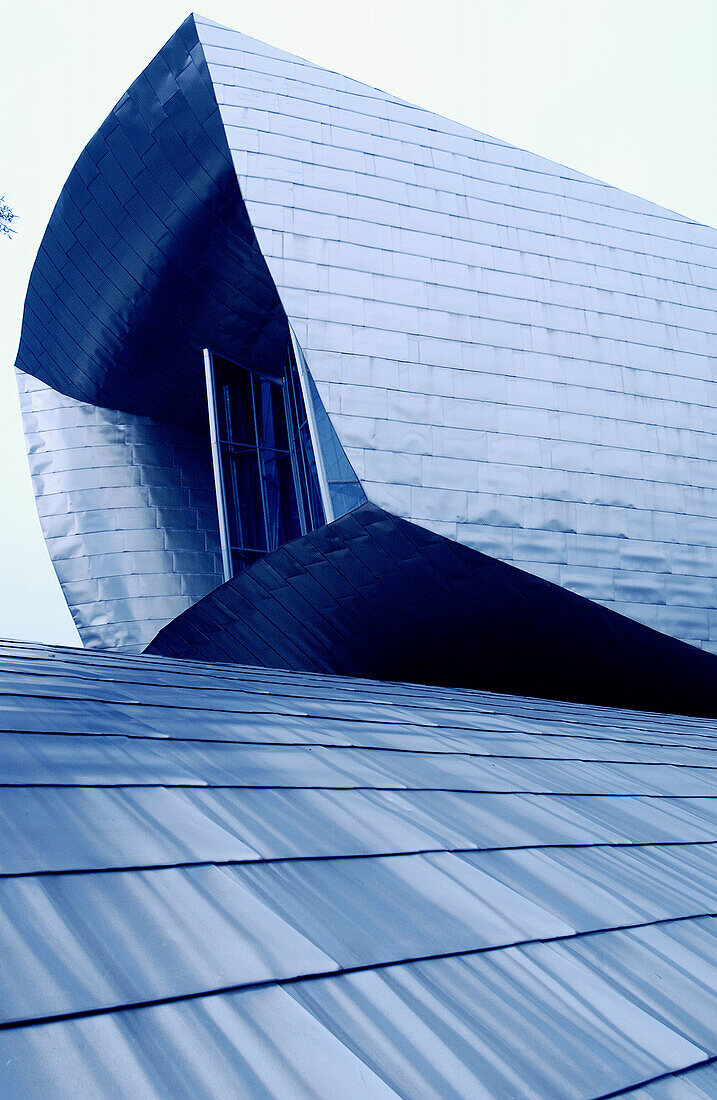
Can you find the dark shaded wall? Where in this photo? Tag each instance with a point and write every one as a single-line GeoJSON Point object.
{"type": "Point", "coordinates": [149, 255]}
{"type": "Point", "coordinates": [373, 595]}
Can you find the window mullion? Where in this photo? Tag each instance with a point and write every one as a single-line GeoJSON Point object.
{"type": "Point", "coordinates": [217, 464]}
{"type": "Point", "coordinates": [290, 435]}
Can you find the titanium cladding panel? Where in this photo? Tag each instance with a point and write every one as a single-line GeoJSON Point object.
{"type": "Point", "coordinates": [510, 353]}
{"type": "Point", "coordinates": [127, 509]}
{"type": "Point", "coordinates": [148, 258]}
{"type": "Point", "coordinates": [513, 354]}
{"type": "Point", "coordinates": [249, 843]}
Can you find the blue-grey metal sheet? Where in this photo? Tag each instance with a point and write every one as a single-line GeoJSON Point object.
{"type": "Point", "coordinates": [511, 820]}
{"type": "Point", "coordinates": [683, 953]}
{"type": "Point", "coordinates": [68, 759]}
{"type": "Point", "coordinates": [31, 713]}
{"type": "Point", "coordinates": [80, 761]}
{"type": "Point", "coordinates": [235, 716]}
{"type": "Point", "coordinates": [525, 1021]}
{"type": "Point", "coordinates": [243, 717]}
{"type": "Point", "coordinates": [261, 1044]}
{"type": "Point", "coordinates": [454, 771]}
{"type": "Point", "coordinates": [467, 773]}
{"type": "Point", "coordinates": [75, 828]}
{"type": "Point", "coordinates": [306, 823]}
{"type": "Point", "coordinates": [118, 761]}
{"type": "Point", "coordinates": [366, 911]}
{"type": "Point", "coordinates": [85, 828]}
{"type": "Point", "coordinates": [220, 764]}
{"type": "Point", "coordinates": [699, 1083]}
{"type": "Point", "coordinates": [512, 353]}
{"type": "Point", "coordinates": [507, 1024]}
{"type": "Point", "coordinates": [88, 941]}
{"type": "Point", "coordinates": [287, 823]}
{"type": "Point", "coordinates": [159, 858]}
{"type": "Point", "coordinates": [594, 888]}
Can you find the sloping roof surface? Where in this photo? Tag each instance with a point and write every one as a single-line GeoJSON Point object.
{"type": "Point", "coordinates": [229, 881]}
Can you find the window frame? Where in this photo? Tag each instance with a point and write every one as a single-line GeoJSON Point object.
{"type": "Point", "coordinates": [304, 501]}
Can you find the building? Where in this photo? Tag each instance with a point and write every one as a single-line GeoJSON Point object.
{"type": "Point", "coordinates": [338, 412]}
{"type": "Point", "coordinates": [488, 344]}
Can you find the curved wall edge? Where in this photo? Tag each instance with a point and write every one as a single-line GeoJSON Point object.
{"type": "Point", "coordinates": [375, 596]}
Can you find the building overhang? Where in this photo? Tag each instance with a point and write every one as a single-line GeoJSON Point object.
{"type": "Point", "coordinates": [150, 256]}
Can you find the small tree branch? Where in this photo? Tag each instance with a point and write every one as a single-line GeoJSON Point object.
{"type": "Point", "coordinates": [7, 217]}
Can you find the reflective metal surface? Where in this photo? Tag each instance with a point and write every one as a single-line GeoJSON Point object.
{"type": "Point", "coordinates": [512, 354]}
{"type": "Point", "coordinates": [259, 1044]}
{"type": "Point", "coordinates": [509, 353]}
{"type": "Point", "coordinates": [127, 508]}
{"type": "Point", "coordinates": [222, 880]}
{"type": "Point", "coordinates": [699, 1083]}
{"type": "Point", "coordinates": [148, 258]}
{"type": "Point", "coordinates": [523, 1021]}
{"type": "Point", "coordinates": [373, 595]}
{"type": "Point", "coordinates": [149, 255]}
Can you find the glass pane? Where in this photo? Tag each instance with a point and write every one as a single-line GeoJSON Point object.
{"type": "Point", "coordinates": [309, 492]}
{"type": "Point", "coordinates": [282, 511]}
{"type": "Point", "coordinates": [245, 508]}
{"type": "Point", "coordinates": [234, 406]}
{"type": "Point", "coordinates": [271, 415]}
{"type": "Point", "coordinates": [312, 492]}
{"type": "Point", "coordinates": [270, 482]}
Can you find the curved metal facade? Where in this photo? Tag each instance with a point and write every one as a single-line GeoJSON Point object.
{"type": "Point", "coordinates": [127, 508]}
{"type": "Point", "coordinates": [510, 353]}
{"type": "Point", "coordinates": [148, 258]}
{"type": "Point", "coordinates": [374, 596]}
{"type": "Point", "coordinates": [513, 354]}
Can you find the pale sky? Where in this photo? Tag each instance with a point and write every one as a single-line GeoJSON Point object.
{"type": "Point", "coordinates": [624, 90]}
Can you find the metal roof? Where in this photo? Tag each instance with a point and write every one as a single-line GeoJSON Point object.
{"type": "Point", "coordinates": [219, 880]}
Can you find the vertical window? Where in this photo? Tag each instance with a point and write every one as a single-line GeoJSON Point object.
{"type": "Point", "coordinates": [268, 491]}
